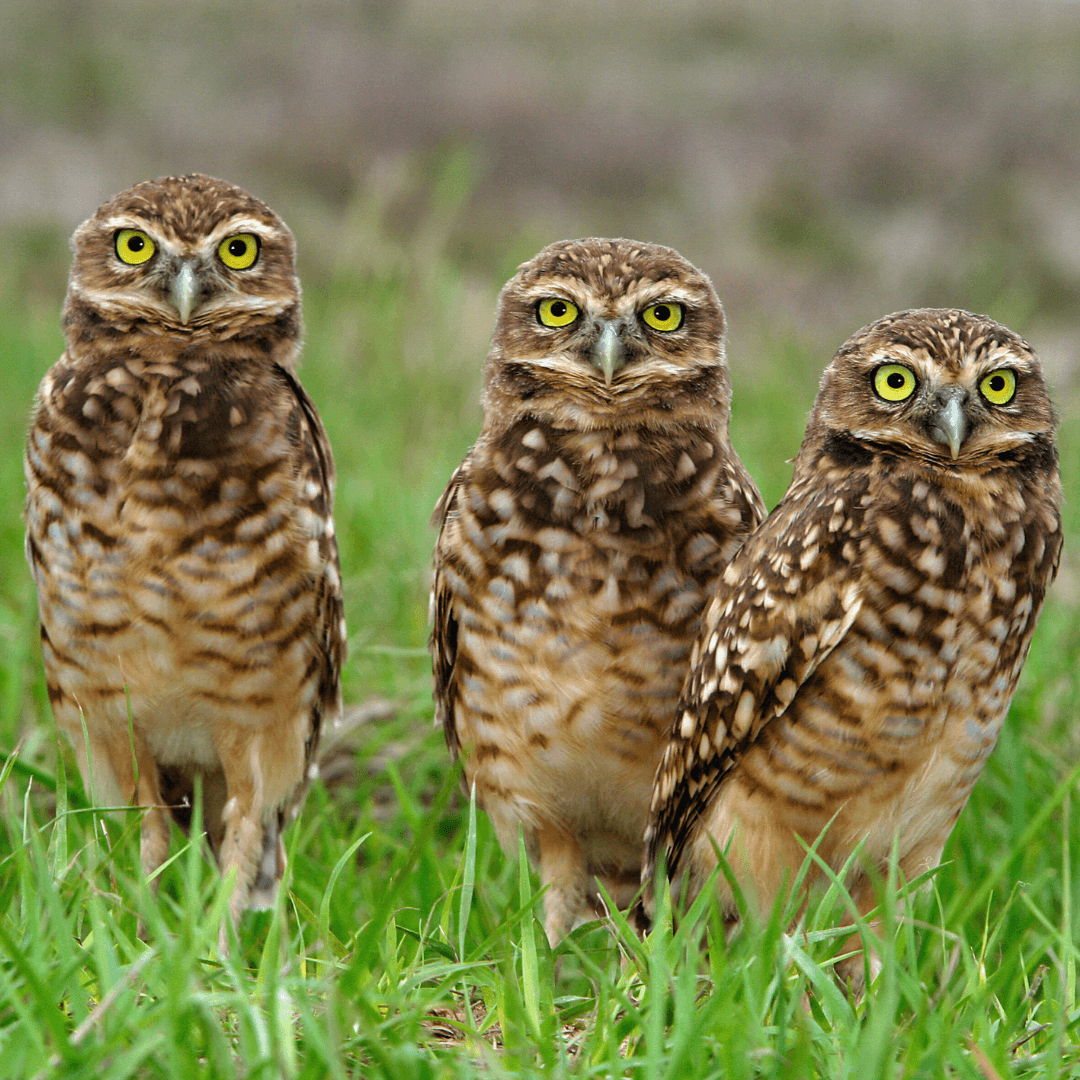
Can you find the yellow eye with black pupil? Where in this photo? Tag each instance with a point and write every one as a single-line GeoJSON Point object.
{"type": "Point", "coordinates": [134, 247]}
{"type": "Point", "coordinates": [239, 252]}
{"type": "Point", "coordinates": [999, 387]}
{"type": "Point", "coordinates": [556, 312]}
{"type": "Point", "coordinates": [894, 382]}
{"type": "Point", "coordinates": [663, 317]}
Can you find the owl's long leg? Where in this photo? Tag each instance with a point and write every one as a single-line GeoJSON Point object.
{"type": "Point", "coordinates": [119, 769]}
{"type": "Point", "coordinates": [153, 839]}
{"type": "Point", "coordinates": [242, 844]}
{"type": "Point", "coordinates": [155, 830]}
{"type": "Point", "coordinates": [852, 970]}
{"type": "Point", "coordinates": [565, 874]}
{"type": "Point", "coordinates": [242, 847]}
{"type": "Point", "coordinates": [262, 767]}
{"type": "Point", "coordinates": [763, 850]}
{"type": "Point", "coordinates": [622, 886]}
{"type": "Point", "coordinates": [271, 865]}
{"type": "Point", "coordinates": [912, 864]}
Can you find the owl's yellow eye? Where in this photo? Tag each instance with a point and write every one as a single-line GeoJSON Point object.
{"type": "Point", "coordinates": [556, 312]}
{"type": "Point", "coordinates": [663, 317]}
{"type": "Point", "coordinates": [239, 252]}
{"type": "Point", "coordinates": [894, 382]}
{"type": "Point", "coordinates": [999, 387]}
{"type": "Point", "coordinates": [133, 246]}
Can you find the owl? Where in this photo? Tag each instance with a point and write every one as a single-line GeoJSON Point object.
{"type": "Point", "coordinates": [179, 529]}
{"type": "Point", "coordinates": [858, 658]}
{"type": "Point", "coordinates": [579, 542]}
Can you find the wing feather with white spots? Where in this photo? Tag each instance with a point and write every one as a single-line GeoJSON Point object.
{"type": "Point", "coordinates": [756, 649]}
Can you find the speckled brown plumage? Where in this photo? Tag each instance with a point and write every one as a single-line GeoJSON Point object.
{"type": "Point", "coordinates": [580, 540]}
{"type": "Point", "coordinates": [179, 529]}
{"type": "Point", "coordinates": [859, 657]}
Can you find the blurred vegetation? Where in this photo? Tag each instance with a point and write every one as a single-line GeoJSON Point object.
{"type": "Point", "coordinates": [825, 163]}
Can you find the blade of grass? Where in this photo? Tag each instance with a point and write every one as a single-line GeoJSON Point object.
{"type": "Point", "coordinates": [324, 934]}
{"type": "Point", "coordinates": [468, 880]}
{"type": "Point", "coordinates": [530, 966]}
{"type": "Point", "coordinates": [59, 841]}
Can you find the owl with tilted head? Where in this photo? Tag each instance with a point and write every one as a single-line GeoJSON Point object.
{"type": "Point", "coordinates": [179, 524]}
{"type": "Point", "coordinates": [857, 660]}
{"type": "Point", "coordinates": [580, 540]}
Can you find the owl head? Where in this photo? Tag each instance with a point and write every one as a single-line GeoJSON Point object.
{"type": "Point", "coordinates": [184, 255]}
{"type": "Point", "coordinates": [953, 389]}
{"type": "Point", "coordinates": [602, 330]}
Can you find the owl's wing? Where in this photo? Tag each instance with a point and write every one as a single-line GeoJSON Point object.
{"type": "Point", "coordinates": [785, 602]}
{"type": "Point", "coordinates": [444, 623]}
{"type": "Point", "coordinates": [317, 473]}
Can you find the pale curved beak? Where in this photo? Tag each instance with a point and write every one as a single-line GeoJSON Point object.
{"type": "Point", "coordinates": [183, 290]}
{"type": "Point", "coordinates": [950, 426]}
{"type": "Point", "coordinates": [609, 354]}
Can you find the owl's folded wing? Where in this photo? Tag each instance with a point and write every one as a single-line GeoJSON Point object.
{"type": "Point", "coordinates": [444, 625]}
{"type": "Point", "coordinates": [786, 601]}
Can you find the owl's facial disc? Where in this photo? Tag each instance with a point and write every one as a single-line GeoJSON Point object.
{"type": "Point", "coordinates": [948, 423]}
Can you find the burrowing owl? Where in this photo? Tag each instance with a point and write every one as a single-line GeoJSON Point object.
{"type": "Point", "coordinates": [179, 523]}
{"type": "Point", "coordinates": [580, 540]}
{"type": "Point", "coordinates": [857, 662]}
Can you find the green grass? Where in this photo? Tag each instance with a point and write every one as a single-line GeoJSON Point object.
{"type": "Point", "coordinates": [405, 943]}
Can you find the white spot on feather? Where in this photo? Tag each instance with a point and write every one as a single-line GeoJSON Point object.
{"type": "Point", "coordinates": [686, 725]}
{"type": "Point", "coordinates": [744, 712]}
{"type": "Point", "coordinates": [535, 440]}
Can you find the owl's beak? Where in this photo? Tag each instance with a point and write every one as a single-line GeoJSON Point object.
{"type": "Point", "coordinates": [949, 424]}
{"type": "Point", "coordinates": [609, 353]}
{"type": "Point", "coordinates": [184, 289]}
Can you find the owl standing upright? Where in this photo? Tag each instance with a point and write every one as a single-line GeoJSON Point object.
{"type": "Point", "coordinates": [857, 662]}
{"type": "Point", "coordinates": [580, 540]}
{"type": "Point", "coordinates": [179, 529]}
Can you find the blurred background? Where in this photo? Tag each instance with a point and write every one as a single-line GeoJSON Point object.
{"type": "Point", "coordinates": [825, 162]}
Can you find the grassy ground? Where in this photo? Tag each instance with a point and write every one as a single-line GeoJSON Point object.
{"type": "Point", "coordinates": [406, 944]}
